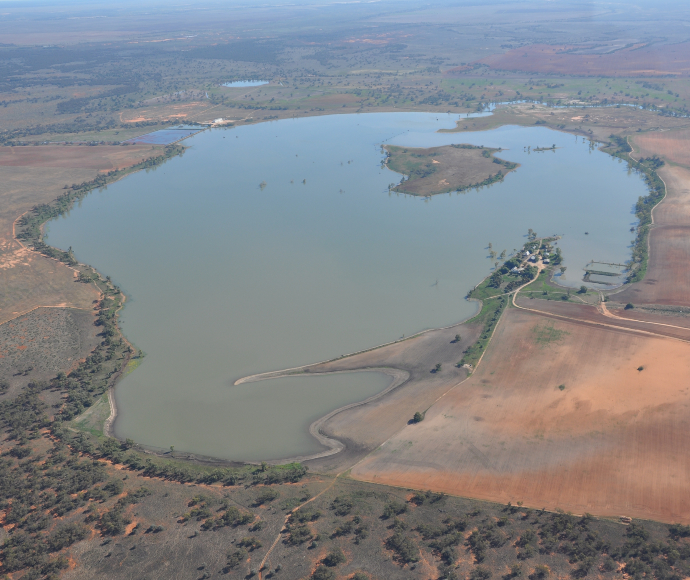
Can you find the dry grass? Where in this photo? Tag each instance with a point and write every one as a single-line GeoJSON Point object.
{"type": "Point", "coordinates": [611, 442]}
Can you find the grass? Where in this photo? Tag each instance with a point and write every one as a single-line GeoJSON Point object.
{"type": "Point", "coordinates": [547, 334]}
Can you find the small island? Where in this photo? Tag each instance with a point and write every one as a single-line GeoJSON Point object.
{"type": "Point", "coordinates": [444, 169]}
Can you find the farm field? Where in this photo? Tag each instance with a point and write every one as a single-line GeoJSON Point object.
{"type": "Point", "coordinates": [636, 60]}
{"type": "Point", "coordinates": [668, 279]}
{"type": "Point", "coordinates": [670, 145]}
{"type": "Point", "coordinates": [536, 424]}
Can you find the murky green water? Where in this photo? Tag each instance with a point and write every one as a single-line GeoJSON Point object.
{"type": "Point", "coordinates": [227, 277]}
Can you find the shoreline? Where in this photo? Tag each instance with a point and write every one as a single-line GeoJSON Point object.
{"type": "Point", "coordinates": [334, 446]}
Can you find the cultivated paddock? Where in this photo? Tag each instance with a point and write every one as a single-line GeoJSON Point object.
{"type": "Point", "coordinates": [612, 441]}
{"type": "Point", "coordinates": [668, 275]}
{"type": "Point", "coordinates": [670, 145]}
{"type": "Point", "coordinates": [636, 60]}
{"type": "Point", "coordinates": [102, 157]}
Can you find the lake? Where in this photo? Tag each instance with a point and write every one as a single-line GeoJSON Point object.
{"type": "Point", "coordinates": [245, 83]}
{"type": "Point", "coordinates": [278, 244]}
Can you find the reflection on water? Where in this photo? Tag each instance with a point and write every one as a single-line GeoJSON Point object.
{"type": "Point", "coordinates": [276, 245]}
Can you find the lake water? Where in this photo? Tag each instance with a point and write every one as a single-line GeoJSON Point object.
{"type": "Point", "coordinates": [245, 83]}
{"type": "Point", "coordinates": [278, 244]}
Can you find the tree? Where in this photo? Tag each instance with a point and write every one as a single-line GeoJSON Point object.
{"type": "Point", "coordinates": [582, 290]}
{"type": "Point", "coordinates": [418, 417]}
{"type": "Point", "coordinates": [457, 338]}
{"type": "Point", "coordinates": [437, 368]}
{"type": "Point", "coordinates": [629, 306]}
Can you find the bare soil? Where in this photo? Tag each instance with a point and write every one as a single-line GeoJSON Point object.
{"type": "Point", "coordinates": [610, 442]}
{"type": "Point", "coordinates": [668, 276]}
{"type": "Point", "coordinates": [364, 428]}
{"type": "Point", "coordinates": [670, 145]}
{"type": "Point", "coordinates": [636, 60]}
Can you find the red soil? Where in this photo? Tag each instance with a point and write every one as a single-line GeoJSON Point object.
{"type": "Point", "coordinates": [611, 442]}
{"type": "Point", "coordinates": [633, 61]}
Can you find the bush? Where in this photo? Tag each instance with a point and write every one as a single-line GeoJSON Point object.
{"type": "Point", "coordinates": [480, 573]}
{"type": "Point", "coordinates": [394, 508]}
{"type": "Point", "coordinates": [540, 572]}
{"type": "Point", "coordinates": [66, 536]}
{"type": "Point", "coordinates": [236, 558]}
{"type": "Point", "coordinates": [323, 573]}
{"type": "Point", "coordinates": [334, 558]}
{"type": "Point", "coordinates": [266, 496]}
{"type": "Point", "coordinates": [404, 548]}
{"type": "Point", "coordinates": [342, 505]}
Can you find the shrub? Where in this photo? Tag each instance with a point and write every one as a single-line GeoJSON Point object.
{"type": "Point", "coordinates": [250, 543]}
{"type": "Point", "coordinates": [394, 508]}
{"type": "Point", "coordinates": [404, 548]}
{"type": "Point", "coordinates": [323, 573]}
{"type": "Point", "coordinates": [342, 505]}
{"type": "Point", "coordinates": [540, 572]}
{"type": "Point", "coordinates": [480, 573]}
{"type": "Point", "coordinates": [334, 557]}
{"type": "Point", "coordinates": [236, 558]}
{"type": "Point", "coordinates": [266, 496]}
{"type": "Point", "coordinates": [66, 536]}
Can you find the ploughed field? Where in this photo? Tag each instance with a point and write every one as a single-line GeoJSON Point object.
{"type": "Point", "coordinates": [635, 60]}
{"type": "Point", "coordinates": [668, 277]}
{"type": "Point", "coordinates": [671, 145]}
{"type": "Point", "coordinates": [557, 415]}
